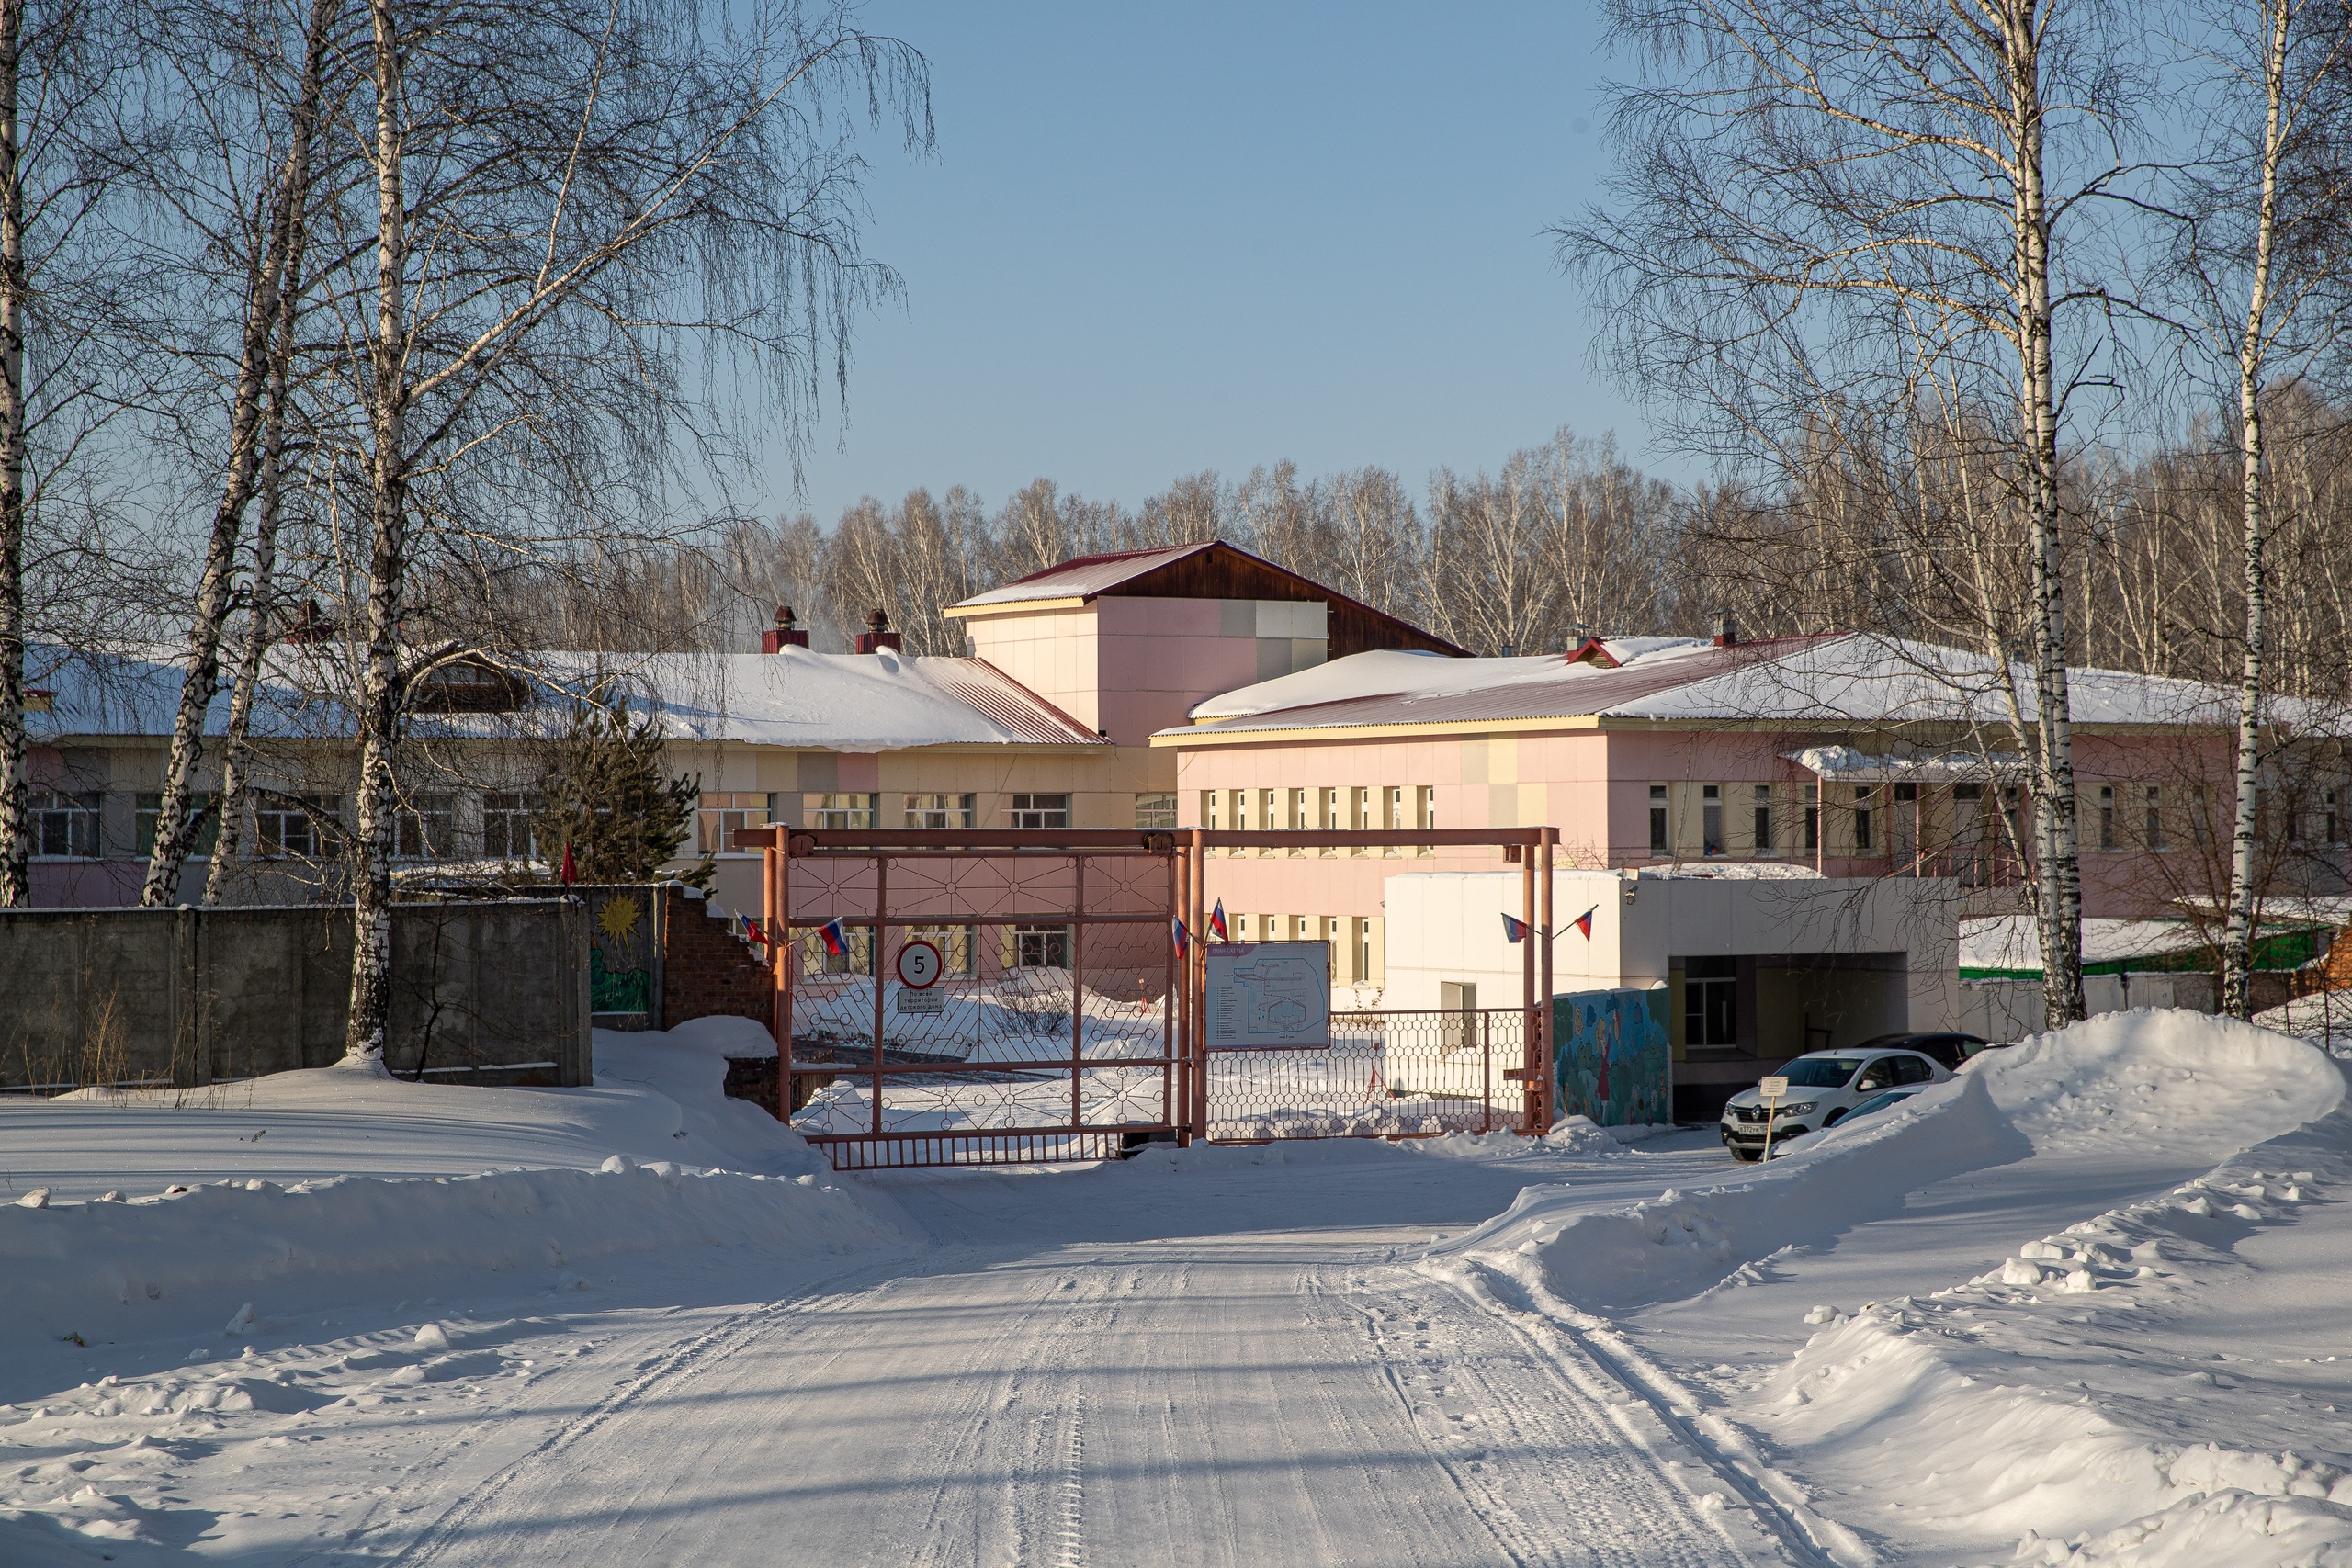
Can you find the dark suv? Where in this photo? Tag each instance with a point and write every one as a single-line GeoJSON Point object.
{"type": "Point", "coordinates": [1946, 1050]}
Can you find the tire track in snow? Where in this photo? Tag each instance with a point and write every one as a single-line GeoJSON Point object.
{"type": "Point", "coordinates": [1577, 1341]}
{"type": "Point", "coordinates": [1545, 1464]}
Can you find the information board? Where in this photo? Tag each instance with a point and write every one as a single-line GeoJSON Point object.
{"type": "Point", "coordinates": [1268, 996]}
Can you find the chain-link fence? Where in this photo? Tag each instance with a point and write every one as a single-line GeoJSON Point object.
{"type": "Point", "coordinates": [1383, 1074]}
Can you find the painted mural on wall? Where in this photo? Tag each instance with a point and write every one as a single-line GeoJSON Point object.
{"type": "Point", "coordinates": [620, 950]}
{"type": "Point", "coordinates": [1612, 1057]}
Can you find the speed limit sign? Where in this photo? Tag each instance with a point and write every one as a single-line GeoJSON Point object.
{"type": "Point", "coordinates": [918, 966]}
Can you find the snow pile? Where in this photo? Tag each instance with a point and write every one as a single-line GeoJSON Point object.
{"type": "Point", "coordinates": [1681, 1243]}
{"type": "Point", "coordinates": [290, 1181]}
{"type": "Point", "coordinates": [2058, 1464]}
{"type": "Point", "coordinates": [101, 1266]}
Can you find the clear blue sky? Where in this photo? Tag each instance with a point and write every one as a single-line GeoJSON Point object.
{"type": "Point", "coordinates": [1167, 238]}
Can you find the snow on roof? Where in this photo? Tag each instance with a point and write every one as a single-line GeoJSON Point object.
{"type": "Point", "coordinates": [842, 702]}
{"type": "Point", "coordinates": [828, 701]}
{"type": "Point", "coordinates": [1082, 575]}
{"type": "Point", "coordinates": [1839, 677]}
{"type": "Point", "coordinates": [2012, 944]}
{"type": "Point", "coordinates": [1846, 763]}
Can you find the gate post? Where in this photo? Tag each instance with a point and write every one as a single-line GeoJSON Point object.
{"type": "Point", "coordinates": [1195, 984]}
{"type": "Point", "coordinates": [1176, 1083]}
{"type": "Point", "coordinates": [1549, 1111]}
{"type": "Point", "coordinates": [1540, 936]}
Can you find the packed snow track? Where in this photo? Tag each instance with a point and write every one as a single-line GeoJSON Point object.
{"type": "Point", "coordinates": [1289, 1397]}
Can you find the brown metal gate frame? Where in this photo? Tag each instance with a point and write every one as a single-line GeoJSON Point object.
{"type": "Point", "coordinates": [1183, 1058]}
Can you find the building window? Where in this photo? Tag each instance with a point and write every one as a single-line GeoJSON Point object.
{"type": "Point", "coordinates": [294, 826]}
{"type": "Point", "coordinates": [1153, 810]}
{"type": "Point", "coordinates": [202, 816]}
{"type": "Point", "coordinates": [66, 826]}
{"type": "Point", "coordinates": [1812, 818]}
{"type": "Point", "coordinates": [1661, 837]}
{"type": "Point", "coordinates": [719, 813]}
{"type": "Point", "coordinates": [2328, 808]}
{"type": "Point", "coordinates": [1711, 1002]}
{"type": "Point", "coordinates": [507, 827]}
{"type": "Point", "coordinates": [1210, 816]}
{"type": "Point", "coordinates": [2107, 816]}
{"type": "Point", "coordinates": [1761, 839]}
{"type": "Point", "coordinates": [1711, 818]}
{"type": "Point", "coordinates": [426, 829]}
{"type": "Point", "coordinates": [956, 944]}
{"type": "Point", "coordinates": [1041, 947]}
{"type": "Point", "coordinates": [943, 811]}
{"type": "Point", "coordinates": [1041, 812]}
{"type": "Point", "coordinates": [856, 956]}
{"type": "Point", "coordinates": [841, 812]}
{"type": "Point", "coordinates": [1862, 826]}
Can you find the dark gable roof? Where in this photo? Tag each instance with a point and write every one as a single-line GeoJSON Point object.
{"type": "Point", "coordinates": [1216, 571]}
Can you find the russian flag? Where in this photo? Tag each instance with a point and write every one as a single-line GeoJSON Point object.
{"type": "Point", "coordinates": [1514, 930]}
{"type": "Point", "coordinates": [1584, 922]}
{"type": "Point", "coordinates": [835, 939]}
{"type": "Point", "coordinates": [1183, 939]}
{"type": "Point", "coordinates": [1217, 923]}
{"type": "Point", "coordinates": [751, 930]}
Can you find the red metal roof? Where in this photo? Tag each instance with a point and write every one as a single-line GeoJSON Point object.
{"type": "Point", "coordinates": [1006, 701]}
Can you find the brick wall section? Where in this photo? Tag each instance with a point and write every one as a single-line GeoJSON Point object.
{"type": "Point", "coordinates": [707, 970]}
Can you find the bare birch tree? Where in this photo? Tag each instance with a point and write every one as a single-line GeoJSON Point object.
{"type": "Point", "coordinates": [56, 65]}
{"type": "Point", "coordinates": [562, 194]}
{"type": "Point", "coordinates": [2259, 267]}
{"type": "Point", "coordinates": [1810, 191]}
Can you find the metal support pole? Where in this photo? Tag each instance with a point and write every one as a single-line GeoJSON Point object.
{"type": "Point", "coordinates": [1486, 1072]}
{"type": "Point", "coordinates": [1537, 937]}
{"type": "Point", "coordinates": [1545, 989]}
{"type": "Point", "coordinates": [1077, 992]}
{"type": "Point", "coordinates": [1195, 985]}
{"type": "Point", "coordinates": [873, 962]}
{"type": "Point", "coordinates": [1176, 1098]}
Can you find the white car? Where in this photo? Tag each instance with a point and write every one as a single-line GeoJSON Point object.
{"type": "Point", "coordinates": [1824, 1089]}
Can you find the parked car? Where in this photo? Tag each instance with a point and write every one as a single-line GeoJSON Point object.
{"type": "Point", "coordinates": [1824, 1087]}
{"type": "Point", "coordinates": [1949, 1049]}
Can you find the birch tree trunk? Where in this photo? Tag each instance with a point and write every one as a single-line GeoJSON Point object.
{"type": "Point", "coordinates": [16, 803]}
{"type": "Point", "coordinates": [2237, 937]}
{"type": "Point", "coordinates": [261, 379]}
{"type": "Point", "coordinates": [2058, 879]}
{"type": "Point", "coordinates": [379, 697]}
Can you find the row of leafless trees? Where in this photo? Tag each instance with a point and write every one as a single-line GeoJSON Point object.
{"type": "Point", "coordinates": [399, 307]}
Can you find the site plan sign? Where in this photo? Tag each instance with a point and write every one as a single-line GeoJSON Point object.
{"type": "Point", "coordinates": [1268, 996]}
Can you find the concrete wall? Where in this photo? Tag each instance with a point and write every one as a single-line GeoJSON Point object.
{"type": "Point", "coordinates": [492, 993]}
{"type": "Point", "coordinates": [2005, 1010]}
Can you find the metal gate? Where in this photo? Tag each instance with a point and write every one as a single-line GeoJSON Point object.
{"type": "Point", "coordinates": [1046, 1031]}
{"type": "Point", "coordinates": [1384, 1074]}
{"type": "Point", "coordinates": [1064, 1021]}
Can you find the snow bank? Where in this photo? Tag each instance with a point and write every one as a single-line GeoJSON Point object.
{"type": "Point", "coordinates": [98, 1266]}
{"type": "Point", "coordinates": [1681, 1243]}
{"type": "Point", "coordinates": [2195, 1081]}
{"type": "Point", "coordinates": [2055, 1463]}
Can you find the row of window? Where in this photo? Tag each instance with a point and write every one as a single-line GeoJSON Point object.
{"type": "Point", "coordinates": [1367, 809]}
{"type": "Point", "coordinates": [1705, 820]}
{"type": "Point", "coordinates": [70, 825]}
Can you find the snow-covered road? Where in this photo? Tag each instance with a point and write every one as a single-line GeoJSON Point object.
{"type": "Point", "coordinates": [1248, 1398]}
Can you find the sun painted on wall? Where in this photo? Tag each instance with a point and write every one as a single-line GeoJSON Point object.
{"type": "Point", "coordinates": [619, 956]}
{"type": "Point", "coordinates": [1612, 1057]}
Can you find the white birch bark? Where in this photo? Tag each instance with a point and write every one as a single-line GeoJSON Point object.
{"type": "Point", "coordinates": [16, 824]}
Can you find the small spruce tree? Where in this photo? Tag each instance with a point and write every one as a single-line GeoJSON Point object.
{"type": "Point", "coordinates": [604, 793]}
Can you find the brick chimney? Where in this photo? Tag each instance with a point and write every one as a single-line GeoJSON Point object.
{"type": "Point", "coordinates": [1726, 636]}
{"type": "Point", "coordinates": [782, 633]}
{"type": "Point", "coordinates": [878, 636]}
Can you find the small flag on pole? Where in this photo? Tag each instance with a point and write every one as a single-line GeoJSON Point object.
{"type": "Point", "coordinates": [1514, 930]}
{"type": "Point", "coordinates": [835, 939]}
{"type": "Point", "coordinates": [1584, 922]}
{"type": "Point", "coordinates": [571, 872]}
{"type": "Point", "coordinates": [1217, 923]}
{"type": "Point", "coordinates": [1184, 938]}
{"type": "Point", "coordinates": [751, 930]}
